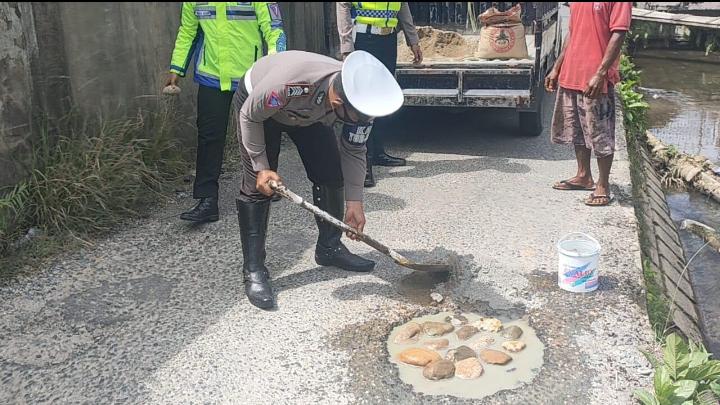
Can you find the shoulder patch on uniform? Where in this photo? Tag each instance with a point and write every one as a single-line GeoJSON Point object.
{"type": "Point", "coordinates": [281, 44]}
{"type": "Point", "coordinates": [356, 134]}
{"type": "Point", "coordinates": [298, 90]}
{"type": "Point", "coordinates": [274, 10]}
{"type": "Point", "coordinates": [319, 98]}
{"type": "Point", "coordinates": [273, 100]}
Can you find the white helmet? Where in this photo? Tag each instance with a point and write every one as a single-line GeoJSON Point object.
{"type": "Point", "coordinates": [369, 86]}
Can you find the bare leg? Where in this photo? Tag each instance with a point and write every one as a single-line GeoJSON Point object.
{"type": "Point", "coordinates": [603, 184]}
{"type": "Point", "coordinates": [584, 171]}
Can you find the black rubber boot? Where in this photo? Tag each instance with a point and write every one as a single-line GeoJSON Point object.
{"type": "Point", "coordinates": [253, 218]}
{"type": "Point", "coordinates": [380, 158]}
{"type": "Point", "coordinates": [329, 250]}
{"type": "Point", "coordinates": [206, 210]}
{"type": "Point", "coordinates": [369, 178]}
{"type": "Point", "coordinates": [383, 159]}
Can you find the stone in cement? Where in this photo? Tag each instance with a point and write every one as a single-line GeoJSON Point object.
{"type": "Point", "coordinates": [468, 369]}
{"type": "Point", "coordinates": [439, 370]}
{"type": "Point", "coordinates": [418, 357]}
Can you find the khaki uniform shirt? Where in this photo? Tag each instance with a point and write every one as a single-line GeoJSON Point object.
{"type": "Point", "coordinates": [292, 88]}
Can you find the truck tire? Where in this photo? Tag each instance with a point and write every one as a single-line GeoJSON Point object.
{"type": "Point", "coordinates": [530, 123]}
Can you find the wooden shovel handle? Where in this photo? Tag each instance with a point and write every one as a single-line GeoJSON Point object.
{"type": "Point", "coordinates": [296, 199]}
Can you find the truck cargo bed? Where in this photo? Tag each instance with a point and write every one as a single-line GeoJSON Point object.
{"type": "Point", "coordinates": [469, 60]}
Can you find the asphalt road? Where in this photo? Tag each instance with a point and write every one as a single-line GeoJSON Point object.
{"type": "Point", "coordinates": [155, 313]}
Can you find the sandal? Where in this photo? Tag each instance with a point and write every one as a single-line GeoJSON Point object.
{"type": "Point", "coordinates": [567, 185]}
{"type": "Point", "coordinates": [598, 200]}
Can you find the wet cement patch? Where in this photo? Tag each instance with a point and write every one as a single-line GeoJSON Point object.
{"type": "Point", "coordinates": [567, 324]}
{"type": "Point", "coordinates": [521, 370]}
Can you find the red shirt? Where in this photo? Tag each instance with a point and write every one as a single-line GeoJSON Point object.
{"type": "Point", "coordinates": [591, 26]}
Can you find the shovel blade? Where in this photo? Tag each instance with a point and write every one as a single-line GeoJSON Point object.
{"type": "Point", "coordinates": [432, 268]}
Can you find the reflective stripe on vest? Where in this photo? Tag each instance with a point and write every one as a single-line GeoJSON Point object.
{"type": "Point", "coordinates": [240, 13]}
{"type": "Point", "coordinates": [205, 12]}
{"type": "Point", "coordinates": [377, 14]}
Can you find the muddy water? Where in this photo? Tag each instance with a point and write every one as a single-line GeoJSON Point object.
{"type": "Point", "coordinates": [521, 370]}
{"type": "Point", "coordinates": [683, 89]}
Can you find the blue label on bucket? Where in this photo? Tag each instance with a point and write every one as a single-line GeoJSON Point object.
{"type": "Point", "coordinates": [581, 276]}
{"type": "Point", "coordinates": [577, 272]}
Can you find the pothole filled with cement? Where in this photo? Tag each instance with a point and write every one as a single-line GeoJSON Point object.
{"type": "Point", "coordinates": [465, 355]}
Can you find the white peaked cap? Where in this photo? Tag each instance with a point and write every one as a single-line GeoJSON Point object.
{"type": "Point", "coordinates": [369, 86]}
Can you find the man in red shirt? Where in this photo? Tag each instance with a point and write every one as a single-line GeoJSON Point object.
{"type": "Point", "coordinates": [587, 70]}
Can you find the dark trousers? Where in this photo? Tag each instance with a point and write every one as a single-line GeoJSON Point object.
{"type": "Point", "coordinates": [316, 144]}
{"type": "Point", "coordinates": [383, 47]}
{"type": "Point", "coordinates": [213, 113]}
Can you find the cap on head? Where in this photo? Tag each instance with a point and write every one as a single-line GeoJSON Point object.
{"type": "Point", "coordinates": [369, 86]}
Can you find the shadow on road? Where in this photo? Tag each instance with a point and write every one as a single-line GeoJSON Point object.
{"type": "Point", "coordinates": [474, 132]}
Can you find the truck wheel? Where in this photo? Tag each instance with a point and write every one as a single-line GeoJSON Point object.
{"type": "Point", "coordinates": [531, 123]}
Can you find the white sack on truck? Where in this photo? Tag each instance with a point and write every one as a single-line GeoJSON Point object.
{"type": "Point", "coordinates": [502, 35]}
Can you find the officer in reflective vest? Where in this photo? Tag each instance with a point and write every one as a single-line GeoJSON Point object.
{"type": "Point", "coordinates": [373, 27]}
{"type": "Point", "coordinates": [225, 39]}
{"type": "Point", "coordinates": [327, 108]}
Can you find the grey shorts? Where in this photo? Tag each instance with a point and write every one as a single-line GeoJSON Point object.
{"type": "Point", "coordinates": [580, 120]}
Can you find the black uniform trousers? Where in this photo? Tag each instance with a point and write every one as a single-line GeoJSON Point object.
{"type": "Point", "coordinates": [316, 144]}
{"type": "Point", "coordinates": [384, 48]}
{"type": "Point", "coordinates": [213, 113]}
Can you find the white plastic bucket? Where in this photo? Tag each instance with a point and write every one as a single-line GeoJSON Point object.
{"type": "Point", "coordinates": [579, 255]}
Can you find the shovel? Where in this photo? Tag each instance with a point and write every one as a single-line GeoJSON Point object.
{"type": "Point", "coordinates": [397, 257]}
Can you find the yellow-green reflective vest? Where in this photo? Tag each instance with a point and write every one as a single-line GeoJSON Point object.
{"type": "Point", "coordinates": [225, 39]}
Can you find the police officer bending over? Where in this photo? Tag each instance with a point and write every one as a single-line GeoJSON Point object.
{"type": "Point", "coordinates": [305, 95]}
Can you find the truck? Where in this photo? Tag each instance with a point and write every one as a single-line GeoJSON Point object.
{"type": "Point", "coordinates": [461, 80]}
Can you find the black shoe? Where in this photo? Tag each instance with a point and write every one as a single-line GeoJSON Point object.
{"type": "Point", "coordinates": [329, 250]}
{"type": "Point", "coordinates": [206, 210]}
{"type": "Point", "coordinates": [253, 219]}
{"type": "Point", "coordinates": [369, 177]}
{"type": "Point", "coordinates": [383, 159]}
{"type": "Point", "coordinates": [342, 258]}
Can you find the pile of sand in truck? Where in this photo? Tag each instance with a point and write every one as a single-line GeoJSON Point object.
{"type": "Point", "coordinates": [438, 44]}
{"type": "Point", "coordinates": [449, 46]}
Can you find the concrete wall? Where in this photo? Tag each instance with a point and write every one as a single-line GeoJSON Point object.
{"type": "Point", "coordinates": [100, 59]}
{"type": "Point", "coordinates": [118, 53]}
{"type": "Point", "coordinates": [661, 245]}
{"type": "Point", "coordinates": [15, 90]}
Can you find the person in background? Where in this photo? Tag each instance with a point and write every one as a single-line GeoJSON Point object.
{"type": "Point", "coordinates": [225, 39]}
{"type": "Point", "coordinates": [373, 27]}
{"type": "Point", "coordinates": [585, 73]}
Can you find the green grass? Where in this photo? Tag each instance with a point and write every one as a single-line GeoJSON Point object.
{"type": "Point", "coordinates": [634, 105]}
{"type": "Point", "coordinates": [87, 177]}
{"type": "Point", "coordinates": [686, 374]}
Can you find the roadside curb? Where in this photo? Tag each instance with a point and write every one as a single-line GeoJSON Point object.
{"type": "Point", "coordinates": [659, 239]}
